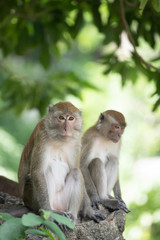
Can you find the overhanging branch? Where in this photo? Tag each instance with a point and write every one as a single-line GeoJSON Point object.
{"type": "Point", "coordinates": [122, 12]}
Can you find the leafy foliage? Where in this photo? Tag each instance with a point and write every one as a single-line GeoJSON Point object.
{"type": "Point", "coordinates": [44, 31]}
{"type": "Point", "coordinates": [149, 209]}
{"type": "Point", "coordinates": [22, 226]}
{"type": "Point", "coordinates": [21, 93]}
{"type": "Point", "coordinates": [142, 5]}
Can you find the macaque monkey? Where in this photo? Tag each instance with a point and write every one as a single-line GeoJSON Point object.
{"type": "Point", "coordinates": [9, 186]}
{"type": "Point", "coordinates": [99, 160]}
{"type": "Point", "coordinates": [49, 173]}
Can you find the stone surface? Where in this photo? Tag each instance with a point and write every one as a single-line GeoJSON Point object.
{"type": "Point", "coordinates": [110, 229]}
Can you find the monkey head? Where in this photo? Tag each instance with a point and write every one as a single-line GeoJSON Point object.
{"type": "Point", "coordinates": [64, 119]}
{"type": "Point", "coordinates": [111, 125]}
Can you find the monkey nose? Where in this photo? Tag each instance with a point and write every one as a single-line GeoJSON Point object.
{"type": "Point", "coordinates": [119, 134]}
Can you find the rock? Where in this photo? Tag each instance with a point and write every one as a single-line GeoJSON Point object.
{"type": "Point", "coordinates": [110, 229]}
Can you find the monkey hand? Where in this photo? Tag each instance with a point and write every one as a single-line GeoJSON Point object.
{"type": "Point", "coordinates": [68, 215]}
{"type": "Point", "coordinates": [95, 201]}
{"type": "Point", "coordinates": [97, 217]}
{"type": "Point", "coordinates": [121, 202]}
{"type": "Point", "coordinates": [63, 213]}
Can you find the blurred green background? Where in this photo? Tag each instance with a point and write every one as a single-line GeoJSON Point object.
{"type": "Point", "coordinates": [99, 55]}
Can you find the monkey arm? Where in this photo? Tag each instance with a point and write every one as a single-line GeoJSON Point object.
{"type": "Point", "coordinates": [88, 211]}
{"type": "Point", "coordinates": [40, 191]}
{"type": "Point", "coordinates": [36, 183]}
{"type": "Point", "coordinates": [26, 157]}
{"type": "Point", "coordinates": [117, 190]}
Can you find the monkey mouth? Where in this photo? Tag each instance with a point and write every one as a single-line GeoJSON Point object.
{"type": "Point", "coordinates": [116, 139]}
{"type": "Point", "coordinates": [66, 133]}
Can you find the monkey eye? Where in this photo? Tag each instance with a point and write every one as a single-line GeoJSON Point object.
{"type": "Point", "coordinates": [61, 117]}
{"type": "Point", "coordinates": [117, 126]}
{"type": "Point", "coordinates": [71, 118]}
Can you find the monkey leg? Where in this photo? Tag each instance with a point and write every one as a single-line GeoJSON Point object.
{"type": "Point", "coordinates": [75, 189]}
{"type": "Point", "coordinates": [99, 178]}
{"type": "Point", "coordinates": [70, 198]}
{"type": "Point", "coordinates": [98, 175]}
{"type": "Point", "coordinates": [111, 168]}
{"type": "Point", "coordinates": [28, 192]}
{"type": "Point", "coordinates": [87, 210]}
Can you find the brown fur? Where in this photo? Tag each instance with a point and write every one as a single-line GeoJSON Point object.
{"type": "Point", "coordinates": [9, 186]}
{"type": "Point", "coordinates": [48, 150]}
{"type": "Point", "coordinates": [99, 159]}
{"type": "Point", "coordinates": [119, 117]}
{"type": "Point", "coordinates": [69, 107]}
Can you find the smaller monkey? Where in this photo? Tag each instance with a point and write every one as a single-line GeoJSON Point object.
{"type": "Point", "coordinates": [99, 160]}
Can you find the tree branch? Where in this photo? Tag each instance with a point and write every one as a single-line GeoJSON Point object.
{"type": "Point", "coordinates": [122, 12]}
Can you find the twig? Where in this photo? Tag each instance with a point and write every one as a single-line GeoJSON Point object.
{"type": "Point", "coordinates": [122, 12]}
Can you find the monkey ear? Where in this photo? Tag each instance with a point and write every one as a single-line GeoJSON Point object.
{"type": "Point", "coordinates": [101, 117]}
{"type": "Point", "coordinates": [50, 108]}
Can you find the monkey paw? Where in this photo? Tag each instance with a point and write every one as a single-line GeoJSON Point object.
{"type": "Point", "coordinates": [68, 215]}
{"type": "Point", "coordinates": [123, 205]}
{"type": "Point", "coordinates": [97, 217]}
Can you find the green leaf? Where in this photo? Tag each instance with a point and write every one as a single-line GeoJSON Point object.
{"type": "Point", "coordinates": [156, 105]}
{"type": "Point", "coordinates": [59, 218]}
{"type": "Point", "coordinates": [36, 232]}
{"type": "Point", "coordinates": [96, 15]}
{"type": "Point", "coordinates": [142, 6]}
{"type": "Point", "coordinates": [55, 229]}
{"type": "Point", "coordinates": [12, 229]}
{"type": "Point", "coordinates": [156, 5]}
{"type": "Point", "coordinates": [78, 23]}
{"type": "Point", "coordinates": [62, 219]}
{"type": "Point", "coordinates": [48, 233]}
{"type": "Point", "coordinates": [46, 214]}
{"type": "Point", "coordinates": [31, 219]}
{"type": "Point", "coordinates": [5, 216]}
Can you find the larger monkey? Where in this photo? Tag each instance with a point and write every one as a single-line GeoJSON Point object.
{"type": "Point", "coordinates": [49, 174]}
{"type": "Point", "coordinates": [99, 160]}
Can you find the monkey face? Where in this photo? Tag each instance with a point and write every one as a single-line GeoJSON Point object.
{"type": "Point", "coordinates": [112, 124]}
{"type": "Point", "coordinates": [65, 119]}
{"type": "Point", "coordinates": [66, 124]}
{"type": "Point", "coordinates": [115, 132]}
